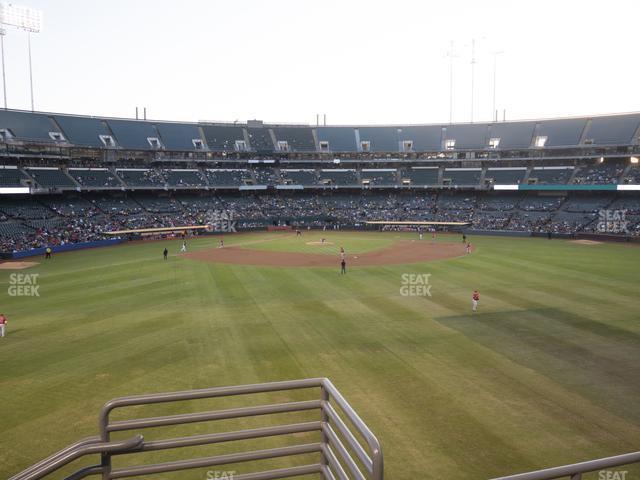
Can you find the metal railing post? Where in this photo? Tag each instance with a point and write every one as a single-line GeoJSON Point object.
{"type": "Point", "coordinates": [105, 457]}
{"type": "Point", "coordinates": [325, 397]}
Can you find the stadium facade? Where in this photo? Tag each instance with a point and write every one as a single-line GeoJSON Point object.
{"type": "Point", "coordinates": [70, 179]}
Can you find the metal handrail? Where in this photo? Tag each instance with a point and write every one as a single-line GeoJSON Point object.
{"type": "Point", "coordinates": [575, 470]}
{"type": "Point", "coordinates": [337, 426]}
{"type": "Point", "coordinates": [343, 456]}
{"type": "Point", "coordinates": [50, 458]}
{"type": "Point", "coordinates": [358, 423]}
{"type": "Point", "coordinates": [74, 452]}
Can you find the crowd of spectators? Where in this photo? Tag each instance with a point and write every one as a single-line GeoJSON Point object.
{"type": "Point", "coordinates": [28, 224]}
{"type": "Point", "coordinates": [600, 174]}
{"type": "Point", "coordinates": [95, 178]}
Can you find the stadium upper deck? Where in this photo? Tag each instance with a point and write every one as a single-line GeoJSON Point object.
{"type": "Point", "coordinates": [20, 130]}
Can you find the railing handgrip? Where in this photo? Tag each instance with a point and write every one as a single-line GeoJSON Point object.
{"type": "Point", "coordinates": [67, 456]}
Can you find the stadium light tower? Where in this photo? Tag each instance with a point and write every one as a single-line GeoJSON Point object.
{"type": "Point", "coordinates": [474, 60]}
{"type": "Point", "coordinates": [473, 73]}
{"type": "Point", "coordinates": [23, 18]}
{"type": "Point", "coordinates": [451, 54]}
{"type": "Point", "coordinates": [494, 113]}
{"type": "Point", "coordinates": [4, 75]}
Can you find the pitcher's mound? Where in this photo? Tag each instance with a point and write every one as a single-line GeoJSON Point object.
{"type": "Point", "coordinates": [320, 243]}
{"type": "Point", "coordinates": [16, 265]}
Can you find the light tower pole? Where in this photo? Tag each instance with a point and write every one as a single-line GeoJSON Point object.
{"type": "Point", "coordinates": [23, 18]}
{"type": "Point", "coordinates": [473, 71]}
{"type": "Point", "coordinates": [30, 69]}
{"type": "Point", "coordinates": [451, 54]}
{"type": "Point", "coordinates": [494, 113]}
{"type": "Point", "coordinates": [4, 75]}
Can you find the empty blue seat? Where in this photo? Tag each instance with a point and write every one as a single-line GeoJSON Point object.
{"type": "Point", "coordinates": [28, 126]}
{"type": "Point", "coordinates": [339, 139]}
{"type": "Point", "coordinates": [83, 131]}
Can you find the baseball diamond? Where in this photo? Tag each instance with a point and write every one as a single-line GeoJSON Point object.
{"type": "Point", "coordinates": [436, 278]}
{"type": "Point", "coordinates": [547, 358]}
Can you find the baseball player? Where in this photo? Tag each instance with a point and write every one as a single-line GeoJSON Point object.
{"type": "Point", "coordinates": [468, 247]}
{"type": "Point", "coordinates": [3, 324]}
{"type": "Point", "coordinates": [165, 253]}
{"type": "Point", "coordinates": [475, 298]}
{"type": "Point", "coordinates": [343, 267]}
{"type": "Point", "coordinates": [184, 246]}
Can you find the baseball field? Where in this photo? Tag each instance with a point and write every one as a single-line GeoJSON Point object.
{"type": "Point", "coordinates": [546, 372]}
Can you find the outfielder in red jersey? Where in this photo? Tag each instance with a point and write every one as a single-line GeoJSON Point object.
{"type": "Point", "coordinates": [3, 324]}
{"type": "Point", "coordinates": [475, 299]}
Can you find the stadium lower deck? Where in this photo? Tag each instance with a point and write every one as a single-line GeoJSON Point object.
{"type": "Point", "coordinates": [69, 179]}
{"type": "Point", "coordinates": [38, 221]}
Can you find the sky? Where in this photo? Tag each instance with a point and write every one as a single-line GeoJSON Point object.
{"type": "Point", "coordinates": [358, 62]}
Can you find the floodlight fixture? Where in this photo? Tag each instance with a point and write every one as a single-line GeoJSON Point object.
{"type": "Point", "coordinates": [22, 18]}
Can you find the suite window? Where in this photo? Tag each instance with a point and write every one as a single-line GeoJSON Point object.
{"type": "Point", "coordinates": [107, 140]}
{"type": "Point", "coordinates": [283, 146]}
{"type": "Point", "coordinates": [540, 141]}
{"type": "Point", "coordinates": [5, 134]}
{"type": "Point", "coordinates": [56, 136]}
{"type": "Point", "coordinates": [154, 143]}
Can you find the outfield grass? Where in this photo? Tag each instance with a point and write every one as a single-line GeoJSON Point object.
{"type": "Point", "coordinates": [547, 372]}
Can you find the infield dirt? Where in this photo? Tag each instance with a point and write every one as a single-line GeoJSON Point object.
{"type": "Point", "coordinates": [402, 252]}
